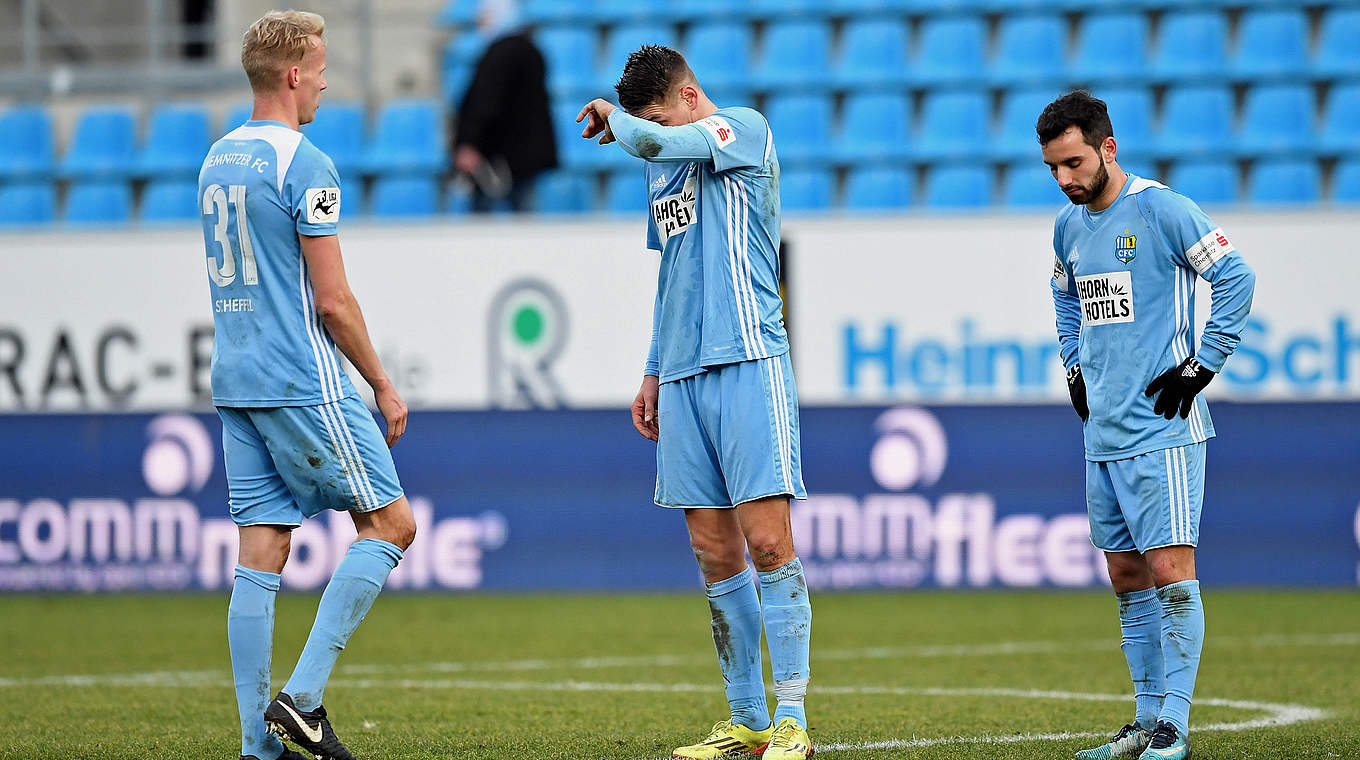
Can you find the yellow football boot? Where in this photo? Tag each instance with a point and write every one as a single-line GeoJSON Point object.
{"type": "Point", "coordinates": [725, 740]}
{"type": "Point", "coordinates": [789, 742]}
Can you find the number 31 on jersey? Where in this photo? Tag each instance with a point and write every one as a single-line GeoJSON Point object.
{"type": "Point", "coordinates": [216, 201]}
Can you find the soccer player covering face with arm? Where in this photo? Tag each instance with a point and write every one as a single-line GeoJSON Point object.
{"type": "Point", "coordinates": [297, 439]}
{"type": "Point", "coordinates": [1129, 252]}
{"type": "Point", "coordinates": [717, 393]}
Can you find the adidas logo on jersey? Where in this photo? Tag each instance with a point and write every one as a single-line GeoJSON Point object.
{"type": "Point", "coordinates": [660, 182]}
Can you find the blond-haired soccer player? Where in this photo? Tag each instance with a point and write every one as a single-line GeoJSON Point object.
{"type": "Point", "coordinates": [297, 439]}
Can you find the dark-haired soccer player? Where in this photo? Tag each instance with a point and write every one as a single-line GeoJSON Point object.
{"type": "Point", "coordinates": [717, 393]}
{"type": "Point", "coordinates": [1128, 253]}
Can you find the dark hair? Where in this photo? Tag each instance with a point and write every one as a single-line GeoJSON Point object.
{"type": "Point", "coordinates": [649, 75]}
{"type": "Point", "coordinates": [1075, 109]}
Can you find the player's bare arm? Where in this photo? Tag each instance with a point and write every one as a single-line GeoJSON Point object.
{"type": "Point", "coordinates": [644, 409]}
{"type": "Point", "coordinates": [340, 312]}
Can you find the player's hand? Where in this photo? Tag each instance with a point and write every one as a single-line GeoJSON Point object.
{"type": "Point", "coordinates": [644, 408]}
{"type": "Point", "coordinates": [596, 114]}
{"type": "Point", "coordinates": [393, 410]}
{"type": "Point", "coordinates": [467, 159]}
{"type": "Point", "coordinates": [1076, 388]}
{"type": "Point", "coordinates": [1178, 387]}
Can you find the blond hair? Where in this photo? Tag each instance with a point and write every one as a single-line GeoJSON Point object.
{"type": "Point", "coordinates": [276, 41]}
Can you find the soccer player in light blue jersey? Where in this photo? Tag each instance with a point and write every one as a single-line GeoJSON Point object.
{"type": "Point", "coordinates": [1129, 252]}
{"type": "Point", "coordinates": [297, 439]}
{"type": "Point", "coordinates": [717, 392]}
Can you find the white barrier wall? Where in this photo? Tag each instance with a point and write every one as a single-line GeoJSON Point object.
{"type": "Point", "coordinates": [516, 314]}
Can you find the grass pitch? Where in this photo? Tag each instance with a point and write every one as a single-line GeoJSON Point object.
{"type": "Point", "coordinates": [913, 675]}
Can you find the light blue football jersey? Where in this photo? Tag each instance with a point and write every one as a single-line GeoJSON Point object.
{"type": "Point", "coordinates": [1124, 291]}
{"type": "Point", "coordinates": [713, 200]}
{"type": "Point", "coordinates": [261, 186]}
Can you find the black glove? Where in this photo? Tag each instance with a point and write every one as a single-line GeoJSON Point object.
{"type": "Point", "coordinates": [1179, 387]}
{"type": "Point", "coordinates": [1076, 388]}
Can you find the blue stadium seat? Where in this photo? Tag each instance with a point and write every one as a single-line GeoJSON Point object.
{"type": "Point", "coordinates": [540, 11]}
{"type": "Point", "coordinates": [459, 63]}
{"type": "Point", "coordinates": [1196, 120]}
{"type": "Point", "coordinates": [878, 188]}
{"type": "Point", "coordinates": [1277, 119]}
{"type": "Point", "coordinates": [1346, 181]}
{"type": "Point", "coordinates": [1030, 50]}
{"type": "Point", "coordinates": [170, 200]}
{"type": "Point", "coordinates": [1111, 47]}
{"type": "Point", "coordinates": [801, 125]}
{"type": "Point", "coordinates": [457, 13]}
{"type": "Point", "coordinates": [1031, 184]}
{"type": "Point", "coordinates": [27, 203]}
{"type": "Point", "coordinates": [622, 41]}
{"type": "Point", "coordinates": [98, 202]}
{"type": "Point", "coordinates": [626, 192]}
{"type": "Point", "coordinates": [806, 189]}
{"type": "Point", "coordinates": [408, 139]}
{"type": "Point", "coordinates": [1335, 54]}
{"type": "Point", "coordinates": [784, 9]}
{"type": "Point", "coordinates": [177, 140]}
{"type": "Point", "coordinates": [26, 145]}
{"type": "Point", "coordinates": [1205, 182]}
{"type": "Point", "coordinates": [1285, 181]}
{"type": "Point", "coordinates": [873, 53]}
{"type": "Point", "coordinates": [1131, 116]}
{"type": "Point", "coordinates": [718, 53]}
{"type": "Point", "coordinates": [235, 116]}
{"type": "Point", "coordinates": [104, 144]}
{"type": "Point", "coordinates": [794, 53]}
{"type": "Point", "coordinates": [1272, 44]}
{"type": "Point", "coordinates": [405, 196]}
{"type": "Point", "coordinates": [1191, 45]}
{"type": "Point", "coordinates": [338, 130]}
{"type": "Point", "coordinates": [959, 187]}
{"type": "Point", "coordinates": [1016, 138]}
{"type": "Point", "coordinates": [1341, 120]}
{"type": "Point", "coordinates": [954, 124]}
{"type": "Point", "coordinates": [865, 9]}
{"type": "Point", "coordinates": [563, 192]}
{"type": "Point", "coordinates": [950, 51]}
{"type": "Point", "coordinates": [569, 54]}
{"type": "Point", "coordinates": [872, 127]}
{"type": "Point", "coordinates": [571, 149]}
{"type": "Point", "coordinates": [629, 11]}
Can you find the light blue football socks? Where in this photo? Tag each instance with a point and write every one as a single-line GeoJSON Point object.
{"type": "Point", "coordinates": [1140, 620]}
{"type": "Point", "coordinates": [736, 635]}
{"type": "Point", "coordinates": [250, 637]}
{"type": "Point", "coordinates": [788, 630]}
{"type": "Point", "coordinates": [1182, 640]}
{"type": "Point", "coordinates": [344, 603]}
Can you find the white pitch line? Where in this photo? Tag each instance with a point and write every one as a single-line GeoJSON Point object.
{"type": "Point", "coordinates": [174, 678]}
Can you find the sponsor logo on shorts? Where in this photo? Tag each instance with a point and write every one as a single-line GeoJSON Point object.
{"type": "Point", "coordinates": [1106, 299]}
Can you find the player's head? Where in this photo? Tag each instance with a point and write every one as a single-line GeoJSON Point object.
{"type": "Point", "coordinates": [1078, 144]}
{"type": "Point", "coordinates": [659, 86]}
{"type": "Point", "coordinates": [284, 53]}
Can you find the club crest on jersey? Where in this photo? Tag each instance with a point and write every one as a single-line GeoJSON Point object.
{"type": "Point", "coordinates": [1125, 247]}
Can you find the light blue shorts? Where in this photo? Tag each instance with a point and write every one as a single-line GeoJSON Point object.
{"type": "Point", "coordinates": [1148, 501]}
{"type": "Point", "coordinates": [289, 462]}
{"type": "Point", "coordinates": [729, 435]}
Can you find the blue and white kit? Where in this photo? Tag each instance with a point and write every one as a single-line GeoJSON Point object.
{"type": "Point", "coordinates": [297, 439]}
{"type": "Point", "coordinates": [1124, 291]}
{"type": "Point", "coordinates": [728, 407]}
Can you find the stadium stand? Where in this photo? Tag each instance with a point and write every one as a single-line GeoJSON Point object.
{"type": "Point", "coordinates": [99, 202]}
{"type": "Point", "coordinates": [626, 193]}
{"type": "Point", "coordinates": [165, 201]}
{"type": "Point", "coordinates": [1346, 186]}
{"type": "Point", "coordinates": [959, 187]}
{"type": "Point", "coordinates": [563, 192]}
{"type": "Point", "coordinates": [868, 91]}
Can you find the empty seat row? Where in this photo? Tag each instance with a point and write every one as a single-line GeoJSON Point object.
{"type": "Point", "coordinates": [113, 202]}
{"type": "Point", "coordinates": [1275, 120]}
{"type": "Point", "coordinates": [1029, 184]}
{"type": "Point", "coordinates": [1030, 48]}
{"type": "Point", "coordinates": [463, 13]}
{"type": "Point", "coordinates": [408, 137]}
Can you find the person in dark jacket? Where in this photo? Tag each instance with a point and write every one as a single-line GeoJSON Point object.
{"type": "Point", "coordinates": [504, 134]}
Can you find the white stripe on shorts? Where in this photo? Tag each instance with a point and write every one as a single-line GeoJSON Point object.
{"type": "Point", "coordinates": [777, 405]}
{"type": "Point", "coordinates": [340, 452]}
{"type": "Point", "coordinates": [365, 485]}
